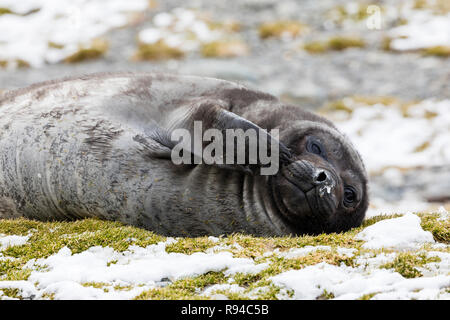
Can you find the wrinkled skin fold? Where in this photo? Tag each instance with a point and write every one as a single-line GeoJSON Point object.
{"type": "Point", "coordinates": [99, 146]}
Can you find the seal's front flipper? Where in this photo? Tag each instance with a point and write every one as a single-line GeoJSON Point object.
{"type": "Point", "coordinates": [206, 132]}
{"type": "Point", "coordinates": [155, 143]}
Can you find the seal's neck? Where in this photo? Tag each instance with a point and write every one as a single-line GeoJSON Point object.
{"type": "Point", "coordinates": [260, 207]}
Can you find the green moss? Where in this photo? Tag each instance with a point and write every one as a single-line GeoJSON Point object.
{"type": "Point", "coordinates": [315, 47]}
{"type": "Point", "coordinates": [386, 44]}
{"type": "Point", "coordinates": [8, 268]}
{"type": "Point", "coordinates": [168, 294]}
{"type": "Point", "coordinates": [224, 49]}
{"type": "Point", "coordinates": [157, 51]}
{"type": "Point", "coordinates": [96, 50]}
{"type": "Point", "coordinates": [368, 296]}
{"type": "Point", "coordinates": [280, 28]}
{"type": "Point", "coordinates": [337, 43]}
{"type": "Point", "coordinates": [48, 296]}
{"type": "Point", "coordinates": [342, 43]}
{"type": "Point", "coordinates": [406, 264]}
{"type": "Point", "coordinates": [341, 13]}
{"type": "Point", "coordinates": [279, 264]}
{"type": "Point", "coordinates": [422, 147]}
{"type": "Point", "coordinates": [373, 220]}
{"type": "Point", "coordinates": [348, 104]}
{"type": "Point", "coordinates": [439, 228]}
{"type": "Point", "coordinates": [19, 63]}
{"type": "Point", "coordinates": [5, 11]}
{"type": "Point", "coordinates": [438, 51]}
{"type": "Point", "coordinates": [228, 26]}
{"type": "Point", "coordinates": [420, 4]}
{"type": "Point", "coordinates": [255, 247]}
{"type": "Point", "coordinates": [97, 285]}
{"type": "Point", "coordinates": [55, 45]}
{"type": "Point", "coordinates": [326, 295]}
{"type": "Point", "coordinates": [11, 292]}
{"type": "Point", "coordinates": [48, 238]}
{"type": "Point", "coordinates": [9, 11]}
{"type": "Point", "coordinates": [123, 288]}
{"type": "Point", "coordinates": [190, 245]}
{"type": "Point", "coordinates": [245, 280]}
{"type": "Point", "coordinates": [268, 290]}
{"type": "Point", "coordinates": [436, 6]}
{"type": "Point", "coordinates": [360, 14]}
{"type": "Point", "coordinates": [22, 63]}
{"type": "Point", "coordinates": [338, 105]}
{"type": "Point", "coordinates": [188, 288]}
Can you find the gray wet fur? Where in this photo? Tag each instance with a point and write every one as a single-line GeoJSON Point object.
{"type": "Point", "coordinates": [99, 146]}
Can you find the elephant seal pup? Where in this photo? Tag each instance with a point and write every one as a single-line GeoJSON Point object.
{"type": "Point", "coordinates": [100, 146]}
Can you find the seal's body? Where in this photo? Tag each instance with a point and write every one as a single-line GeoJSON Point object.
{"type": "Point", "coordinates": [99, 146]}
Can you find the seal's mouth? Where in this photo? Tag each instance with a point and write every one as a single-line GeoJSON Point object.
{"type": "Point", "coordinates": [306, 196]}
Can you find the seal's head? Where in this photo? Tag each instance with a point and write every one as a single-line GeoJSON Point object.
{"type": "Point", "coordinates": [324, 186]}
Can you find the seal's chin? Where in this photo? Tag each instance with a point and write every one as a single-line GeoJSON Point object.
{"type": "Point", "coordinates": [308, 207]}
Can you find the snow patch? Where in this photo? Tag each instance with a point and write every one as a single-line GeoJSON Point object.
{"type": "Point", "coordinates": [401, 233]}
{"type": "Point", "coordinates": [379, 130]}
{"type": "Point", "coordinates": [64, 273]}
{"type": "Point", "coordinates": [301, 252]}
{"type": "Point", "coordinates": [67, 24]}
{"type": "Point", "coordinates": [352, 283]}
{"type": "Point", "coordinates": [423, 30]}
{"type": "Point", "coordinates": [9, 241]}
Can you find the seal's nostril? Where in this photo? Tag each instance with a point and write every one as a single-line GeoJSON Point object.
{"type": "Point", "coordinates": [321, 177]}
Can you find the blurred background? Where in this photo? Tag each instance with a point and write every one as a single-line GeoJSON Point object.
{"type": "Point", "coordinates": [379, 69]}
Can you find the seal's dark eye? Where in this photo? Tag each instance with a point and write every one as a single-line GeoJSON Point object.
{"type": "Point", "coordinates": [315, 147]}
{"type": "Point", "coordinates": [349, 196]}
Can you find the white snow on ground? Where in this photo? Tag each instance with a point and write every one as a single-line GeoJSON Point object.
{"type": "Point", "coordinates": [181, 28]}
{"type": "Point", "coordinates": [395, 138]}
{"type": "Point", "coordinates": [379, 130]}
{"type": "Point", "coordinates": [409, 204]}
{"type": "Point", "coordinates": [232, 288]}
{"type": "Point", "coordinates": [9, 241]}
{"type": "Point", "coordinates": [142, 268]}
{"type": "Point", "coordinates": [434, 267]}
{"type": "Point", "coordinates": [423, 30]}
{"type": "Point", "coordinates": [304, 251]}
{"type": "Point", "coordinates": [67, 23]}
{"type": "Point", "coordinates": [399, 233]}
{"type": "Point", "coordinates": [352, 283]}
{"type": "Point", "coordinates": [138, 269]}
{"type": "Point", "coordinates": [246, 268]}
{"type": "Point", "coordinates": [184, 29]}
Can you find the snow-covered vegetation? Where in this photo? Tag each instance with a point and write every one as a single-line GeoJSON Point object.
{"type": "Point", "coordinates": [405, 257]}
{"type": "Point", "coordinates": [36, 32]}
